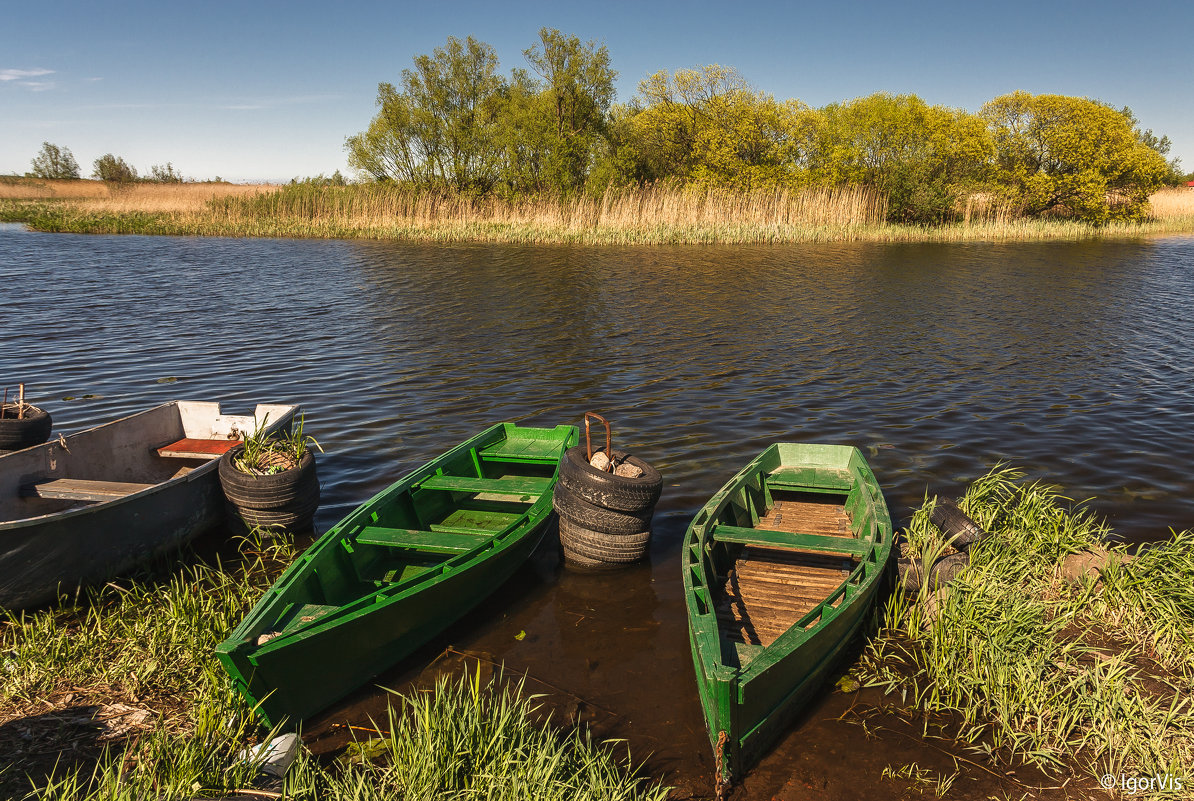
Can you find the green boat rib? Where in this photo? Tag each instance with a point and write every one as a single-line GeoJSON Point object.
{"type": "Point", "coordinates": [781, 569]}
{"type": "Point", "coordinates": [396, 571]}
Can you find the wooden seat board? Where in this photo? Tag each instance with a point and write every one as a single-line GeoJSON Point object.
{"type": "Point", "coordinates": [530, 486]}
{"type": "Point", "coordinates": [78, 489]}
{"type": "Point", "coordinates": [521, 450]}
{"type": "Point", "coordinates": [761, 538]}
{"type": "Point", "coordinates": [430, 541]}
{"type": "Point", "coordinates": [191, 448]}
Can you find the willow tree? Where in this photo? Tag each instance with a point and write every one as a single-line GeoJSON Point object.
{"type": "Point", "coordinates": [1072, 156]}
{"type": "Point", "coordinates": [439, 128]}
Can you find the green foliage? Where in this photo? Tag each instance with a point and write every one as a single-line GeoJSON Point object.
{"type": "Point", "coordinates": [920, 156]}
{"type": "Point", "coordinates": [563, 116]}
{"type": "Point", "coordinates": [439, 130]}
{"type": "Point", "coordinates": [1072, 156]}
{"type": "Point", "coordinates": [266, 453]}
{"type": "Point", "coordinates": [708, 126]}
{"type": "Point", "coordinates": [165, 174]}
{"type": "Point", "coordinates": [54, 162]}
{"type": "Point", "coordinates": [113, 169]}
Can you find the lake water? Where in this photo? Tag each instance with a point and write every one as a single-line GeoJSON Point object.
{"type": "Point", "coordinates": [1070, 360]}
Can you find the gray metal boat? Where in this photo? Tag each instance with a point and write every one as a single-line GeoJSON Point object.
{"type": "Point", "coordinates": [93, 505]}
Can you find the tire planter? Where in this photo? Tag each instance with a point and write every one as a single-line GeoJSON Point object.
{"type": "Point", "coordinates": [32, 429]}
{"type": "Point", "coordinates": [607, 490]}
{"type": "Point", "coordinates": [282, 501]}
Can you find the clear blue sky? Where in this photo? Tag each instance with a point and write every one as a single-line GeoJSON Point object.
{"type": "Point", "coordinates": [269, 90]}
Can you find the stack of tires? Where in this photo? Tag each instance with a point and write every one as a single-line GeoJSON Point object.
{"type": "Point", "coordinates": [284, 501]}
{"type": "Point", "coordinates": [23, 427]}
{"type": "Point", "coordinates": [605, 518]}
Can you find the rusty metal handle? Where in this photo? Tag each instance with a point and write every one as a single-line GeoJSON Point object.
{"type": "Point", "coordinates": [609, 446]}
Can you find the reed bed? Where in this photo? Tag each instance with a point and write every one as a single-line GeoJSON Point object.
{"type": "Point", "coordinates": [98, 197]}
{"type": "Point", "coordinates": [116, 694]}
{"type": "Point", "coordinates": [662, 214]}
{"type": "Point", "coordinates": [1086, 678]}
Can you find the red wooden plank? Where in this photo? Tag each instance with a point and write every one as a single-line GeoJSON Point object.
{"type": "Point", "coordinates": [197, 448]}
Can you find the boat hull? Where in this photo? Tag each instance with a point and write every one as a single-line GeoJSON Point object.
{"type": "Point", "coordinates": [58, 551]}
{"type": "Point", "coordinates": [396, 571]}
{"type": "Point", "coordinates": [753, 685]}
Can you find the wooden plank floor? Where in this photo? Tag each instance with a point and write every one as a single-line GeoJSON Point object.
{"type": "Point", "coordinates": [768, 590]}
{"type": "Point", "coordinates": [807, 517]}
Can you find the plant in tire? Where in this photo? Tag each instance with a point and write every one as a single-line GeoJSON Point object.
{"type": "Point", "coordinates": [270, 479]}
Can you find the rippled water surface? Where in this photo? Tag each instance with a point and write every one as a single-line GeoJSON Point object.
{"type": "Point", "coordinates": [1070, 360]}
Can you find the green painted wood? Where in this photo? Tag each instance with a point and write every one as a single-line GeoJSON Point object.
{"type": "Point", "coordinates": [519, 450]}
{"type": "Point", "coordinates": [385, 602]}
{"type": "Point", "coordinates": [782, 539]}
{"type": "Point", "coordinates": [811, 478]}
{"type": "Point", "coordinates": [431, 541]}
{"type": "Point", "coordinates": [524, 485]}
{"type": "Point", "coordinates": [752, 693]}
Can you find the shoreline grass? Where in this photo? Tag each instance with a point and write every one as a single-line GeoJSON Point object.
{"type": "Point", "coordinates": [647, 216]}
{"type": "Point", "coordinates": [116, 693]}
{"type": "Point", "coordinates": [1089, 676]}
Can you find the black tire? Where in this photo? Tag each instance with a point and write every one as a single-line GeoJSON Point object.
{"type": "Point", "coordinates": [956, 524]}
{"type": "Point", "coordinates": [605, 521]}
{"type": "Point", "coordinates": [32, 429]}
{"type": "Point", "coordinates": [590, 548]}
{"type": "Point", "coordinates": [607, 490]}
{"type": "Point", "coordinates": [286, 500]}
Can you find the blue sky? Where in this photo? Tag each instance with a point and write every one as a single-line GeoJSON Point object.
{"type": "Point", "coordinates": [269, 90]}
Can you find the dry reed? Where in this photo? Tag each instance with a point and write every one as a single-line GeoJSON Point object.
{"type": "Point", "coordinates": [662, 214]}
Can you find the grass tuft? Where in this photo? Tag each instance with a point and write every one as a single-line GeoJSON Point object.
{"type": "Point", "coordinates": [1093, 673]}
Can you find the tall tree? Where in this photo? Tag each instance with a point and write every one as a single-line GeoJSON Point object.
{"type": "Point", "coordinates": [577, 90]}
{"type": "Point", "coordinates": [55, 162]}
{"type": "Point", "coordinates": [710, 126]}
{"type": "Point", "coordinates": [1072, 156]}
{"type": "Point", "coordinates": [439, 129]}
{"type": "Point", "coordinates": [113, 169]}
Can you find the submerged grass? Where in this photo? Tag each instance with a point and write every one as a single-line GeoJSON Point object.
{"type": "Point", "coordinates": [1092, 674]}
{"type": "Point", "coordinates": [116, 694]}
{"type": "Point", "coordinates": [647, 215]}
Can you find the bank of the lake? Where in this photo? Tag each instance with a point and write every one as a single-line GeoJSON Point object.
{"type": "Point", "coordinates": [647, 216]}
{"type": "Point", "coordinates": [1028, 683]}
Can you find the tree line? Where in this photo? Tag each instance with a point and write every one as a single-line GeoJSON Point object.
{"type": "Point", "coordinates": [455, 123]}
{"type": "Point", "coordinates": [55, 162]}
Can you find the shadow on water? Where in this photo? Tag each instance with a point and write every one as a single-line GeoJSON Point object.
{"type": "Point", "coordinates": [1069, 359]}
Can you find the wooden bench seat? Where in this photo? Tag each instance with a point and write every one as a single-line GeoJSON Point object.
{"type": "Point", "coordinates": [430, 541]}
{"type": "Point", "coordinates": [189, 448]}
{"type": "Point", "coordinates": [530, 451]}
{"type": "Point", "coordinates": [517, 485]}
{"type": "Point", "coordinates": [78, 489]}
{"type": "Point", "coordinates": [818, 543]}
{"type": "Point", "coordinates": [811, 479]}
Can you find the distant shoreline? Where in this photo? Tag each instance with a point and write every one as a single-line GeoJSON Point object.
{"type": "Point", "coordinates": [626, 217]}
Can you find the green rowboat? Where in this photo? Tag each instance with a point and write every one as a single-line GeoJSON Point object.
{"type": "Point", "coordinates": [397, 571]}
{"type": "Point", "coordinates": [781, 568]}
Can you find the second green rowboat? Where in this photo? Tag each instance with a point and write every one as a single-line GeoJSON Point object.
{"type": "Point", "coordinates": [781, 568]}
{"type": "Point", "coordinates": [397, 571]}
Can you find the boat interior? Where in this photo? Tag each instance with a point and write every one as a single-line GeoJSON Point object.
{"type": "Point", "coordinates": [126, 456]}
{"type": "Point", "coordinates": [461, 503]}
{"type": "Point", "coordinates": [788, 544]}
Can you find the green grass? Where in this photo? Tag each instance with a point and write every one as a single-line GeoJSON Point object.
{"type": "Point", "coordinates": [1091, 676]}
{"type": "Point", "coordinates": [147, 645]}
